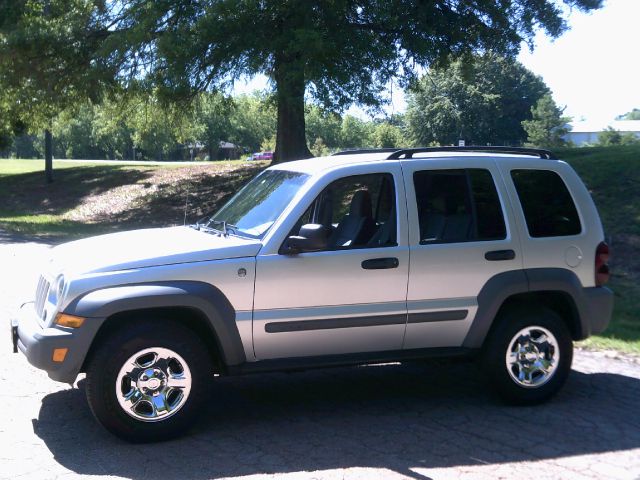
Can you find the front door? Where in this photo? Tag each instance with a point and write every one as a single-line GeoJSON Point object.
{"type": "Point", "coordinates": [350, 297]}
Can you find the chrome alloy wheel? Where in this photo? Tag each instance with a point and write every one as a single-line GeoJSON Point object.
{"type": "Point", "coordinates": [153, 384]}
{"type": "Point", "coordinates": [532, 357]}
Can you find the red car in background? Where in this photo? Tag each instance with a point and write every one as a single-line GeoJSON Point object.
{"type": "Point", "coordinates": [262, 156]}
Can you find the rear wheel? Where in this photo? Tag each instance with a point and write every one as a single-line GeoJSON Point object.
{"type": "Point", "coordinates": [528, 355]}
{"type": "Point", "coordinates": [149, 381]}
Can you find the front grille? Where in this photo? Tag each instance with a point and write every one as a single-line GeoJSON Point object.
{"type": "Point", "coordinates": [41, 295]}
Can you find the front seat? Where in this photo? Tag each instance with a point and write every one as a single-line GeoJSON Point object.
{"type": "Point", "coordinates": [357, 227]}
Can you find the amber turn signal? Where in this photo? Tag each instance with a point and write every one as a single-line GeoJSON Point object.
{"type": "Point", "coordinates": [59, 354]}
{"type": "Point", "coordinates": [70, 321]}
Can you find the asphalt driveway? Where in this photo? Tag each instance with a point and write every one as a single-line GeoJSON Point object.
{"type": "Point", "coordinates": [421, 420]}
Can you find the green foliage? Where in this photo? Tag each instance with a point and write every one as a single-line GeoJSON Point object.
{"type": "Point", "coordinates": [49, 57]}
{"type": "Point", "coordinates": [632, 115]}
{"type": "Point", "coordinates": [319, 148]}
{"type": "Point", "coordinates": [323, 127]}
{"type": "Point", "coordinates": [141, 125]}
{"type": "Point", "coordinates": [547, 125]}
{"type": "Point", "coordinates": [611, 137]}
{"type": "Point", "coordinates": [481, 99]}
{"type": "Point", "coordinates": [55, 53]}
{"type": "Point", "coordinates": [355, 133]}
{"type": "Point", "coordinates": [387, 135]}
{"type": "Point", "coordinates": [253, 121]}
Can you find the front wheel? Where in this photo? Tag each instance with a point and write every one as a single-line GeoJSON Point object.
{"type": "Point", "coordinates": [149, 381]}
{"type": "Point", "coordinates": [528, 355]}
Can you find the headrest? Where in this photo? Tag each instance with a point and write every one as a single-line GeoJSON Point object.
{"type": "Point", "coordinates": [361, 204]}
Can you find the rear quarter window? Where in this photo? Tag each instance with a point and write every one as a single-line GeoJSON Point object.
{"type": "Point", "coordinates": [546, 202]}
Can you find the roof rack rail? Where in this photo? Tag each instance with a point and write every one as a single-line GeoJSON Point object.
{"type": "Point", "coordinates": [408, 152]}
{"type": "Point", "coordinates": [357, 151]}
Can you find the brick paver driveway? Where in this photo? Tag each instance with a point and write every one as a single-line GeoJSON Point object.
{"type": "Point", "coordinates": [419, 421]}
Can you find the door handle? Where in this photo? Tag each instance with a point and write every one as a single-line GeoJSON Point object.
{"type": "Point", "coordinates": [498, 255]}
{"type": "Point", "coordinates": [380, 263]}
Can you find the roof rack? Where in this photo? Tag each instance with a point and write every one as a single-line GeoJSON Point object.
{"type": "Point", "coordinates": [356, 151]}
{"type": "Point", "coordinates": [408, 152]}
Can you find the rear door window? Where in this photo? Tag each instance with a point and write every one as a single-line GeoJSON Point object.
{"type": "Point", "coordinates": [458, 206]}
{"type": "Point", "coordinates": [546, 202]}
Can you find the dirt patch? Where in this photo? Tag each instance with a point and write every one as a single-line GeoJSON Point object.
{"type": "Point", "coordinates": [162, 195]}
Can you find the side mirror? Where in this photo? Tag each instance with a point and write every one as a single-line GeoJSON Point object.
{"type": "Point", "coordinates": [312, 237]}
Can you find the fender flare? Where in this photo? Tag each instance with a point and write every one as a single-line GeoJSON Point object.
{"type": "Point", "coordinates": [203, 297]}
{"type": "Point", "coordinates": [502, 286]}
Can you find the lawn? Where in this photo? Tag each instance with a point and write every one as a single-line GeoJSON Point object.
{"type": "Point", "coordinates": [89, 198]}
{"type": "Point", "coordinates": [612, 174]}
{"type": "Point", "coordinates": [95, 197]}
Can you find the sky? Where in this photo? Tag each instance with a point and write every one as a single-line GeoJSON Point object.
{"type": "Point", "coordinates": [593, 69]}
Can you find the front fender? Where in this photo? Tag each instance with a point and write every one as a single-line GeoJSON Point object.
{"type": "Point", "coordinates": [200, 296]}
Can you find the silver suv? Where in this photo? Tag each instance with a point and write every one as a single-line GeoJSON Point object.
{"type": "Point", "coordinates": [360, 257]}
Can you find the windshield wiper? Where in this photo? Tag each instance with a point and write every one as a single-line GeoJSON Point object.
{"type": "Point", "coordinates": [226, 227]}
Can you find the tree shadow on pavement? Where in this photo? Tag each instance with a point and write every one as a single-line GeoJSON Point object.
{"type": "Point", "coordinates": [394, 417]}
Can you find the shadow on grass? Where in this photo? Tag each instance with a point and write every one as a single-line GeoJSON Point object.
{"type": "Point", "coordinates": [32, 209]}
{"type": "Point", "coordinates": [198, 196]}
{"type": "Point", "coordinates": [28, 194]}
{"type": "Point", "coordinates": [399, 418]}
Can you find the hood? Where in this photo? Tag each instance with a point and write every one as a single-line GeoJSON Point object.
{"type": "Point", "coordinates": [148, 248]}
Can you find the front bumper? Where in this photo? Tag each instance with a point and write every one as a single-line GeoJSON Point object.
{"type": "Point", "coordinates": [38, 343]}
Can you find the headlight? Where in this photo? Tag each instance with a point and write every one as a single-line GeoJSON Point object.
{"type": "Point", "coordinates": [56, 292]}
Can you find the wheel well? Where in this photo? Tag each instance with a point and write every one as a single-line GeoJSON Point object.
{"type": "Point", "coordinates": [560, 302]}
{"type": "Point", "coordinates": [189, 317]}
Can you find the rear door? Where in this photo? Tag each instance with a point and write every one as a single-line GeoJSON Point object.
{"type": "Point", "coordinates": [556, 215]}
{"type": "Point", "coordinates": [459, 240]}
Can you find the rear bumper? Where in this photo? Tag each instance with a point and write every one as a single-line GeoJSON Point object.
{"type": "Point", "coordinates": [597, 309]}
{"type": "Point", "coordinates": [37, 343]}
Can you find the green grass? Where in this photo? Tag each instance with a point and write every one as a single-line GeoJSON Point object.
{"type": "Point", "coordinates": [49, 226]}
{"type": "Point", "coordinates": [623, 334]}
{"type": "Point", "coordinates": [612, 174]}
{"type": "Point", "coordinates": [16, 167]}
{"type": "Point", "coordinates": [89, 197]}
{"type": "Point", "coordinates": [29, 206]}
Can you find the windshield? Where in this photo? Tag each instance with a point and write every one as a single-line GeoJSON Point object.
{"type": "Point", "coordinates": [258, 204]}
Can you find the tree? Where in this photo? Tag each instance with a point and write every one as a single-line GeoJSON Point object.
{"type": "Point", "coordinates": [336, 52]}
{"type": "Point", "coordinates": [48, 61]}
{"type": "Point", "coordinates": [547, 125]}
{"type": "Point", "coordinates": [8, 127]}
{"type": "Point", "coordinates": [611, 136]}
{"type": "Point", "coordinates": [212, 122]}
{"type": "Point", "coordinates": [323, 130]}
{"type": "Point", "coordinates": [632, 115]}
{"type": "Point", "coordinates": [387, 135]}
{"type": "Point", "coordinates": [355, 133]}
{"type": "Point", "coordinates": [482, 99]}
{"type": "Point", "coordinates": [253, 123]}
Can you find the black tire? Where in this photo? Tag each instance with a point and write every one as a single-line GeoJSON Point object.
{"type": "Point", "coordinates": [171, 345]}
{"type": "Point", "coordinates": [532, 385]}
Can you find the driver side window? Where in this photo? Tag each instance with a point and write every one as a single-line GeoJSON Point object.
{"type": "Point", "coordinates": [359, 211]}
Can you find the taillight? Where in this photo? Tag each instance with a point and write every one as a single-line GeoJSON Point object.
{"type": "Point", "coordinates": [602, 267]}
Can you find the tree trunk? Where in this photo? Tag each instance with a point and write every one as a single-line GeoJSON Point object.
{"type": "Point", "coordinates": [291, 142]}
{"type": "Point", "coordinates": [48, 156]}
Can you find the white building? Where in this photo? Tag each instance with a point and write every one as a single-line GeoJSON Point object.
{"type": "Point", "coordinates": [587, 132]}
